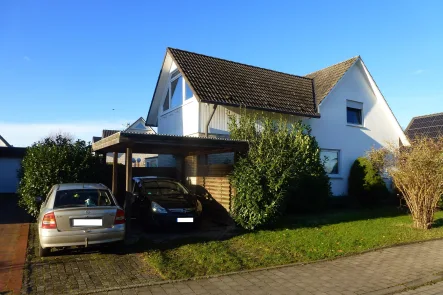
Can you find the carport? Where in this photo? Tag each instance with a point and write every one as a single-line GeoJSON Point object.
{"type": "Point", "coordinates": [179, 146]}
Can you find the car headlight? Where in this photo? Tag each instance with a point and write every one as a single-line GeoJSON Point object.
{"type": "Point", "coordinates": [156, 208]}
{"type": "Point", "coordinates": [199, 206]}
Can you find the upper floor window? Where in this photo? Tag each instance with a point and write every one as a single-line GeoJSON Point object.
{"type": "Point", "coordinates": [354, 112]}
{"type": "Point", "coordinates": [178, 91]}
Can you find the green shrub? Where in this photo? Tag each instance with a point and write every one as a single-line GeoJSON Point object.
{"type": "Point", "coordinates": [281, 170]}
{"type": "Point", "coordinates": [55, 160]}
{"type": "Point", "coordinates": [366, 184]}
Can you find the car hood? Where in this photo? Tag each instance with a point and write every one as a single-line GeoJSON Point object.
{"type": "Point", "coordinates": [174, 201]}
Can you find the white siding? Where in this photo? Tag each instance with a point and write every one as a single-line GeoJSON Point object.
{"type": "Point", "coordinates": [219, 122]}
{"type": "Point", "coordinates": [180, 121]}
{"type": "Point", "coordinates": [8, 174]}
{"type": "Point", "coordinates": [332, 131]}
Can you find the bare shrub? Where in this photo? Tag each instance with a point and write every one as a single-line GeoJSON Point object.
{"type": "Point", "coordinates": [417, 172]}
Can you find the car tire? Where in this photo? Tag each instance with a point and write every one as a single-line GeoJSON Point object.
{"type": "Point", "coordinates": [43, 252]}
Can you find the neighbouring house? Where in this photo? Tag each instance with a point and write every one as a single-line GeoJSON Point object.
{"type": "Point", "coordinates": [10, 161]}
{"type": "Point", "coordinates": [426, 126]}
{"type": "Point", "coordinates": [139, 160]}
{"type": "Point", "coordinates": [348, 114]}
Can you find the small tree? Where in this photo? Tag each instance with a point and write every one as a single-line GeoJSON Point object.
{"type": "Point", "coordinates": [280, 157]}
{"type": "Point", "coordinates": [366, 184]}
{"type": "Point", "coordinates": [55, 159]}
{"type": "Point", "coordinates": [417, 172]}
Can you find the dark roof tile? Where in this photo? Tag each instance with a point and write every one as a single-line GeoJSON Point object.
{"type": "Point", "coordinates": [325, 79]}
{"type": "Point", "coordinates": [220, 81]}
{"type": "Point", "coordinates": [107, 133]}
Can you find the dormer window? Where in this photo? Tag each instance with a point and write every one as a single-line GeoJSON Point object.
{"type": "Point", "coordinates": [354, 112]}
{"type": "Point", "coordinates": [178, 91]}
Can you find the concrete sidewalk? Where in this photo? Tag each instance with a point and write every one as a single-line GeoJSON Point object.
{"type": "Point", "coordinates": [385, 271]}
{"type": "Point", "coordinates": [14, 238]}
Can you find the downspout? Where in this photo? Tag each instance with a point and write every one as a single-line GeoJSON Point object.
{"type": "Point", "coordinates": [209, 120]}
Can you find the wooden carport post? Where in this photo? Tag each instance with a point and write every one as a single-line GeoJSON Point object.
{"type": "Point", "coordinates": [128, 195]}
{"type": "Point", "coordinates": [114, 173]}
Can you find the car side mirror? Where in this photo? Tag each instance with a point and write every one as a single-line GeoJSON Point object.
{"type": "Point", "coordinates": [39, 200]}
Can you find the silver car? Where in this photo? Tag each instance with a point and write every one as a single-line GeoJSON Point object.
{"type": "Point", "coordinates": [79, 214]}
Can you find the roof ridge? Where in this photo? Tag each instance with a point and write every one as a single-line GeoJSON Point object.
{"type": "Point", "coordinates": [239, 63]}
{"type": "Point", "coordinates": [343, 61]}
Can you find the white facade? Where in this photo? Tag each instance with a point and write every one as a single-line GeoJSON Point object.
{"type": "Point", "coordinates": [8, 174]}
{"type": "Point", "coordinates": [356, 90]}
{"type": "Point", "coordinates": [333, 132]}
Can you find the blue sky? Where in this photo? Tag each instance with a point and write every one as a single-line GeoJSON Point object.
{"type": "Point", "coordinates": [64, 65]}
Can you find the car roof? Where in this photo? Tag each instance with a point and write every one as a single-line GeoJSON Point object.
{"type": "Point", "coordinates": [70, 186]}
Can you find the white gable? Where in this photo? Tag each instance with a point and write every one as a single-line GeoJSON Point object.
{"type": "Point", "coordinates": [139, 126]}
{"type": "Point", "coordinates": [356, 89]}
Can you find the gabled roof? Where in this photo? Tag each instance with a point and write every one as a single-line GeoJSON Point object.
{"type": "Point", "coordinates": [428, 125]}
{"type": "Point", "coordinates": [325, 79]}
{"type": "Point", "coordinates": [218, 81]}
{"type": "Point", "coordinates": [106, 132]}
{"type": "Point", "coordinates": [4, 142]}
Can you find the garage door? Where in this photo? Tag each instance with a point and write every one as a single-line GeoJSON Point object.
{"type": "Point", "coordinates": [8, 174]}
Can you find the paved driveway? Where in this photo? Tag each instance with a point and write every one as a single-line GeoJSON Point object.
{"type": "Point", "coordinates": [14, 238]}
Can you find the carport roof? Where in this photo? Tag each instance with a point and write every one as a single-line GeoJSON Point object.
{"type": "Point", "coordinates": [166, 144]}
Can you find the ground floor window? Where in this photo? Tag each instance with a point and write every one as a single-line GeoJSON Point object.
{"type": "Point", "coordinates": [331, 160]}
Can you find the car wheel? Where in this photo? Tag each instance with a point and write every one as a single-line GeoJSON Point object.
{"type": "Point", "coordinates": [42, 252]}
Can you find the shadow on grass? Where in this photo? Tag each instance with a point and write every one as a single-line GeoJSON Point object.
{"type": "Point", "coordinates": [336, 216]}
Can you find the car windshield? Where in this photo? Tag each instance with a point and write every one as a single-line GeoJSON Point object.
{"type": "Point", "coordinates": [163, 187]}
{"type": "Point", "coordinates": [83, 198]}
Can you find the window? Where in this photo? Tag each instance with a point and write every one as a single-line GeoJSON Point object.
{"type": "Point", "coordinates": [82, 198]}
{"type": "Point", "coordinates": [166, 103]}
{"type": "Point", "coordinates": [163, 187]}
{"type": "Point", "coordinates": [354, 112]}
{"type": "Point", "coordinates": [178, 91]}
{"type": "Point", "coordinates": [188, 92]}
{"type": "Point", "coordinates": [331, 160]}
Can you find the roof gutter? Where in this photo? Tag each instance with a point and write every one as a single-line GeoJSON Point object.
{"type": "Point", "coordinates": [209, 119]}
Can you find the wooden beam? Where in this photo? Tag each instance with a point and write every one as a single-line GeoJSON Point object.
{"type": "Point", "coordinates": [128, 194]}
{"type": "Point", "coordinates": [114, 173]}
{"type": "Point", "coordinates": [129, 169]}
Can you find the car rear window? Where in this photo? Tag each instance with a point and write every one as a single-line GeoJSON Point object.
{"type": "Point", "coordinates": [83, 198]}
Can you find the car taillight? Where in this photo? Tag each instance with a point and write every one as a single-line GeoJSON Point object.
{"type": "Point", "coordinates": [119, 217]}
{"type": "Point", "coordinates": [49, 221]}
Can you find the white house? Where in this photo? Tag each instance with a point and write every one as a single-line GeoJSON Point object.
{"type": "Point", "coordinates": [342, 103]}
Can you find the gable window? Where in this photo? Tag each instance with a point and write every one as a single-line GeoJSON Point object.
{"type": "Point", "coordinates": [331, 160]}
{"type": "Point", "coordinates": [178, 91]}
{"type": "Point", "coordinates": [166, 102]}
{"type": "Point", "coordinates": [354, 112]}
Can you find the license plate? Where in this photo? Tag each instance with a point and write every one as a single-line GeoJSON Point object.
{"type": "Point", "coordinates": [88, 222]}
{"type": "Point", "coordinates": [185, 219]}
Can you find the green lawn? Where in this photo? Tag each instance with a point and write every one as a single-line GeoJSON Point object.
{"type": "Point", "coordinates": [300, 239]}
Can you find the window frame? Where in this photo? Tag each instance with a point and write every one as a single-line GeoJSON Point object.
{"type": "Point", "coordinates": [352, 104]}
{"type": "Point", "coordinates": [171, 78]}
{"type": "Point", "coordinates": [338, 174]}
